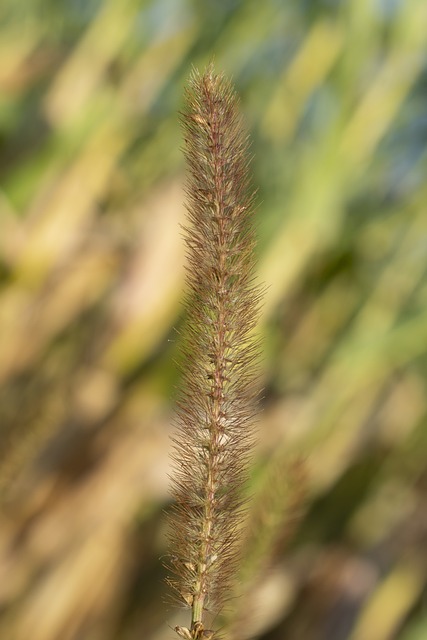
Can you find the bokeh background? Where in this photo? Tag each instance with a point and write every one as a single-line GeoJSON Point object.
{"type": "Point", "coordinates": [91, 279]}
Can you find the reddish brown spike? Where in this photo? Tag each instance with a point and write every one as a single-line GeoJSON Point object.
{"type": "Point", "coordinates": [216, 408]}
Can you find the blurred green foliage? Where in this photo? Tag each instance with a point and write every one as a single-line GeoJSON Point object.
{"type": "Point", "coordinates": [91, 279]}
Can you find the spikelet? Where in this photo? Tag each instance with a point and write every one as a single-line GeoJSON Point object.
{"type": "Point", "coordinates": [218, 400]}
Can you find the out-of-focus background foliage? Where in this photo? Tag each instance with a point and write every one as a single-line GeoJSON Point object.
{"type": "Point", "coordinates": [91, 278]}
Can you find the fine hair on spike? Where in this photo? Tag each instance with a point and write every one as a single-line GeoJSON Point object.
{"type": "Point", "coordinates": [214, 436]}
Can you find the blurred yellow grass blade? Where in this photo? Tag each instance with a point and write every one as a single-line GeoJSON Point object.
{"type": "Point", "coordinates": [393, 285]}
{"type": "Point", "coordinates": [246, 30]}
{"type": "Point", "coordinates": [26, 315]}
{"type": "Point", "coordinates": [387, 507]}
{"type": "Point", "coordinates": [391, 288]}
{"type": "Point", "coordinates": [61, 221]}
{"type": "Point", "coordinates": [379, 107]}
{"type": "Point", "coordinates": [152, 69]}
{"type": "Point", "coordinates": [11, 229]}
{"type": "Point", "coordinates": [83, 72]}
{"type": "Point", "coordinates": [343, 396]}
{"type": "Point", "coordinates": [76, 532]}
{"type": "Point", "coordinates": [364, 33]}
{"type": "Point", "coordinates": [319, 327]}
{"type": "Point", "coordinates": [333, 454]}
{"type": "Point", "coordinates": [391, 602]}
{"type": "Point", "coordinates": [16, 46]}
{"type": "Point", "coordinates": [93, 570]}
{"type": "Point", "coordinates": [314, 208]}
{"type": "Point", "coordinates": [311, 65]}
{"type": "Point", "coordinates": [390, 86]}
{"type": "Point", "coordinates": [147, 302]}
{"type": "Point", "coordinates": [366, 358]}
{"type": "Point", "coordinates": [78, 81]}
{"type": "Point", "coordinates": [345, 440]}
{"type": "Point", "coordinates": [311, 219]}
{"type": "Point", "coordinates": [328, 425]}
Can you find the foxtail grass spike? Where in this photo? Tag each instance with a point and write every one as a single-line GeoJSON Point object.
{"type": "Point", "coordinates": [214, 437]}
